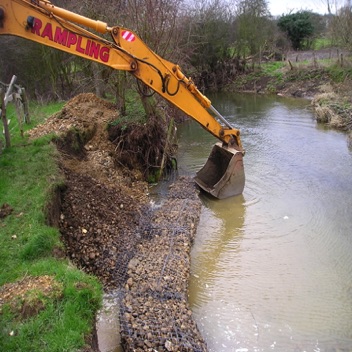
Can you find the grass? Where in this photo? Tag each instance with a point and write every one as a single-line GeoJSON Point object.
{"type": "Point", "coordinates": [58, 322]}
{"type": "Point", "coordinates": [272, 67]}
{"type": "Point", "coordinates": [135, 112]}
{"type": "Point", "coordinates": [322, 43]}
{"type": "Point", "coordinates": [338, 73]}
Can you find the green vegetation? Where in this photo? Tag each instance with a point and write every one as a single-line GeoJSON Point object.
{"type": "Point", "coordinates": [59, 315]}
{"type": "Point", "coordinates": [322, 43]}
{"type": "Point", "coordinates": [273, 68]}
{"type": "Point", "coordinates": [338, 74]}
{"type": "Point", "coordinates": [298, 27]}
{"type": "Point", "coordinates": [318, 75]}
{"type": "Point", "coordinates": [134, 111]}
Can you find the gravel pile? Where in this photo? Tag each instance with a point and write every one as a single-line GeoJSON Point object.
{"type": "Point", "coordinates": [155, 315]}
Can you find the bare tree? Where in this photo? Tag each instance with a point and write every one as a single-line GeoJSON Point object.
{"type": "Point", "coordinates": [254, 28]}
{"type": "Point", "coordinates": [156, 22]}
{"type": "Point", "coordinates": [208, 41]}
{"type": "Point", "coordinates": [341, 27]}
{"type": "Point", "coordinates": [332, 6]}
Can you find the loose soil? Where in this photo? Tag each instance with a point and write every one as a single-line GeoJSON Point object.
{"type": "Point", "coordinates": [5, 210]}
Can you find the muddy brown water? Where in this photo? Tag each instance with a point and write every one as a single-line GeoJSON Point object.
{"type": "Point", "coordinates": [272, 268]}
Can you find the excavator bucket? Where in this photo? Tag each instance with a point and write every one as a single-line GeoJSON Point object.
{"type": "Point", "coordinates": [223, 174]}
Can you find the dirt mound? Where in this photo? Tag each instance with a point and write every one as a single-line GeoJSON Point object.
{"type": "Point", "coordinates": [101, 203]}
{"type": "Point", "coordinates": [81, 135]}
{"type": "Point", "coordinates": [83, 112]}
{"type": "Point", "coordinates": [110, 230]}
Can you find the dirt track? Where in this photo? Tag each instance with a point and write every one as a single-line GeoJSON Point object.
{"type": "Point", "coordinates": [322, 54]}
{"type": "Point", "coordinates": [110, 230]}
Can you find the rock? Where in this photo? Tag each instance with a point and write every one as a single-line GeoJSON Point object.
{"type": "Point", "coordinates": [168, 345]}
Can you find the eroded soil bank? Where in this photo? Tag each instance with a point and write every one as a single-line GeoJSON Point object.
{"type": "Point", "coordinates": [111, 230]}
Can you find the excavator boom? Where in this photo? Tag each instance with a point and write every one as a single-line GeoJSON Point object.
{"type": "Point", "coordinates": [47, 24]}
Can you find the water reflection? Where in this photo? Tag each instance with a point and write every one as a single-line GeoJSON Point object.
{"type": "Point", "coordinates": [271, 270]}
{"type": "Point", "coordinates": [219, 227]}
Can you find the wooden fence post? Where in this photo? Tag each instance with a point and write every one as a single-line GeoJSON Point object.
{"type": "Point", "coordinates": [19, 111]}
{"type": "Point", "coordinates": [341, 61]}
{"type": "Point", "coordinates": [25, 105]}
{"type": "Point", "coordinates": [4, 119]}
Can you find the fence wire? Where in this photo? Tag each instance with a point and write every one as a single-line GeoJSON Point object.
{"type": "Point", "coordinates": [154, 310]}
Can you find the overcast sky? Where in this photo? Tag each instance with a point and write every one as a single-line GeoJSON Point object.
{"type": "Point", "coordinates": [279, 7]}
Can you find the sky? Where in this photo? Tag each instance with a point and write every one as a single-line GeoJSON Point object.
{"type": "Point", "coordinates": [279, 7]}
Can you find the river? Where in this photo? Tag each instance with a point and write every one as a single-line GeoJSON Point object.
{"type": "Point", "coordinates": [272, 268]}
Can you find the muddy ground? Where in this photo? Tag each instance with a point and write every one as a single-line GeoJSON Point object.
{"type": "Point", "coordinates": [111, 230]}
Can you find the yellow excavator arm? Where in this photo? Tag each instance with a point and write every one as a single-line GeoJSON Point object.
{"type": "Point", "coordinates": [47, 24]}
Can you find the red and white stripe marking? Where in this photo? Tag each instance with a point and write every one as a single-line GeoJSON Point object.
{"type": "Point", "coordinates": [130, 37]}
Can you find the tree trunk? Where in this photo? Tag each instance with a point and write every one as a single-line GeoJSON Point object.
{"type": "Point", "coordinates": [120, 95]}
{"type": "Point", "coordinates": [167, 148]}
{"type": "Point", "coordinates": [98, 80]}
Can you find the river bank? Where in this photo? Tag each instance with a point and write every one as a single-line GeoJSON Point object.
{"type": "Point", "coordinates": [329, 88]}
{"type": "Point", "coordinates": [111, 230]}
